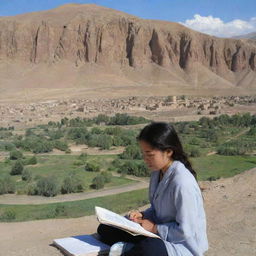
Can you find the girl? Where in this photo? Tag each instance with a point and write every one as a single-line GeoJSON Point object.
{"type": "Point", "coordinates": [176, 214]}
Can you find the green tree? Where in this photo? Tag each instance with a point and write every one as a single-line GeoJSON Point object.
{"type": "Point", "coordinates": [107, 176]}
{"type": "Point", "coordinates": [101, 118]}
{"type": "Point", "coordinates": [17, 168]}
{"type": "Point", "coordinates": [61, 145]}
{"type": "Point", "coordinates": [117, 141]}
{"type": "Point", "coordinates": [113, 130]}
{"type": "Point", "coordinates": [64, 121]}
{"type": "Point", "coordinates": [252, 131]}
{"type": "Point", "coordinates": [98, 182]}
{"type": "Point", "coordinates": [117, 164]}
{"type": "Point", "coordinates": [15, 154]}
{"type": "Point", "coordinates": [131, 152]}
{"type": "Point", "coordinates": [96, 130]}
{"type": "Point", "coordinates": [192, 151]}
{"type": "Point", "coordinates": [91, 167]}
{"type": "Point", "coordinates": [32, 160]}
{"type": "Point", "coordinates": [26, 175]}
{"type": "Point", "coordinates": [105, 141]}
{"type": "Point", "coordinates": [72, 184]}
{"type": "Point", "coordinates": [7, 185]}
{"type": "Point", "coordinates": [47, 186]}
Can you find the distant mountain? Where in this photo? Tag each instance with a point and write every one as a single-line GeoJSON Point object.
{"type": "Point", "coordinates": [84, 46]}
{"type": "Point", "coordinates": [247, 36]}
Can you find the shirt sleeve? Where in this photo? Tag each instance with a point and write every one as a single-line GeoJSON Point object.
{"type": "Point", "coordinates": [184, 226]}
{"type": "Point", "coordinates": [148, 213]}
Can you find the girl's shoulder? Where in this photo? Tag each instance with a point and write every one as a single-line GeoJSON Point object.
{"type": "Point", "coordinates": [182, 177]}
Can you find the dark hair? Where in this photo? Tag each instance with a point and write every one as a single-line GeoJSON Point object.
{"type": "Point", "coordinates": [163, 136]}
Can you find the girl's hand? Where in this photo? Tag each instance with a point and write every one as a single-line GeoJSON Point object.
{"type": "Point", "coordinates": [148, 225]}
{"type": "Point", "coordinates": [135, 215]}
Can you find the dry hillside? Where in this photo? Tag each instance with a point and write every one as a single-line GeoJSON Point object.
{"type": "Point", "coordinates": [89, 49]}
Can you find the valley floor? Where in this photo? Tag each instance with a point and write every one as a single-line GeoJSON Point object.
{"type": "Point", "coordinates": [230, 208]}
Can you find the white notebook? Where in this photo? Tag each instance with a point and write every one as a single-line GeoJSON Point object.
{"type": "Point", "coordinates": [86, 245]}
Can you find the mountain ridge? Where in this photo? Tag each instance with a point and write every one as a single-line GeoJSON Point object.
{"type": "Point", "coordinates": [100, 42]}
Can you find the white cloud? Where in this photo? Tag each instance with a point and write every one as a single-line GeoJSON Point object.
{"type": "Point", "coordinates": [216, 27]}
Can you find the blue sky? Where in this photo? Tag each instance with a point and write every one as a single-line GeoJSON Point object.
{"type": "Point", "coordinates": [219, 17]}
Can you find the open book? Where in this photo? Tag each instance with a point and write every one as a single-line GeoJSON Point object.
{"type": "Point", "coordinates": [110, 218]}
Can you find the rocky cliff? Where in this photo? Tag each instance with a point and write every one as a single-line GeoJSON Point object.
{"type": "Point", "coordinates": [107, 41]}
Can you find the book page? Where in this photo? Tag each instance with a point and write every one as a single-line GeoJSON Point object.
{"type": "Point", "coordinates": [108, 217]}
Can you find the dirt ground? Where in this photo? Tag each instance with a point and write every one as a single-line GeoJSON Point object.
{"type": "Point", "coordinates": [230, 208]}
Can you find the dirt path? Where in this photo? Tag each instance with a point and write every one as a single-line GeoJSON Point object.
{"type": "Point", "coordinates": [231, 220]}
{"type": "Point", "coordinates": [24, 199]}
{"type": "Point", "coordinates": [78, 149]}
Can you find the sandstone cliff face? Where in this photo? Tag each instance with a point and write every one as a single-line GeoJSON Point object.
{"type": "Point", "coordinates": [91, 34]}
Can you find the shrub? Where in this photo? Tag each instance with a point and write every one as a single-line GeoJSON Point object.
{"type": "Point", "coordinates": [78, 163]}
{"type": "Point", "coordinates": [34, 143]}
{"type": "Point", "coordinates": [213, 178]}
{"type": "Point", "coordinates": [98, 182]}
{"type": "Point", "coordinates": [61, 145]}
{"type": "Point", "coordinates": [31, 161]}
{"type": "Point", "coordinates": [135, 168]}
{"type": "Point", "coordinates": [96, 130]}
{"type": "Point", "coordinates": [101, 118]}
{"type": "Point", "coordinates": [102, 140]}
{"type": "Point", "coordinates": [26, 175]}
{"type": "Point", "coordinates": [192, 151]}
{"type": "Point", "coordinates": [92, 167]}
{"type": "Point", "coordinates": [113, 131]}
{"type": "Point", "coordinates": [17, 168]}
{"type": "Point", "coordinates": [83, 157]}
{"type": "Point", "coordinates": [129, 167]}
{"type": "Point", "coordinates": [15, 154]}
{"type": "Point", "coordinates": [117, 165]}
{"type": "Point", "coordinates": [231, 150]}
{"type": "Point", "coordinates": [32, 190]}
{"type": "Point", "coordinates": [55, 135]}
{"type": "Point", "coordinates": [105, 141]}
{"type": "Point", "coordinates": [47, 186]}
{"type": "Point", "coordinates": [142, 170]}
{"type": "Point", "coordinates": [79, 135]}
{"type": "Point", "coordinates": [194, 141]}
{"type": "Point", "coordinates": [107, 176]}
{"type": "Point", "coordinates": [131, 152]}
{"type": "Point", "coordinates": [117, 141]}
{"type": "Point", "coordinates": [252, 131]}
{"type": "Point", "coordinates": [7, 185]}
{"type": "Point", "coordinates": [72, 184]}
{"type": "Point", "coordinates": [42, 147]}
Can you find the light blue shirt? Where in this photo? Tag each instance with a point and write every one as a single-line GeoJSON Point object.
{"type": "Point", "coordinates": [177, 209]}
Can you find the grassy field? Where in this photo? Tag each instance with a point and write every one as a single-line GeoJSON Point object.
{"type": "Point", "coordinates": [60, 166]}
{"type": "Point", "coordinates": [222, 166]}
{"type": "Point", "coordinates": [212, 166]}
{"type": "Point", "coordinates": [119, 203]}
{"type": "Point", "coordinates": [198, 138]}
